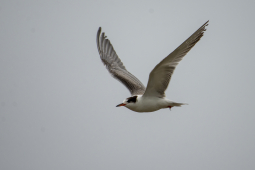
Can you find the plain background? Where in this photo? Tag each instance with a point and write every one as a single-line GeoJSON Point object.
{"type": "Point", "coordinates": [57, 101]}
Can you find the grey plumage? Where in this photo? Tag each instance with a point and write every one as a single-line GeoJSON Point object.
{"type": "Point", "coordinates": [116, 67]}
{"type": "Point", "coordinates": [160, 76]}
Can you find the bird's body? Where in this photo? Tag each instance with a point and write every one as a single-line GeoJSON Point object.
{"type": "Point", "coordinates": [151, 104]}
{"type": "Point", "coordinates": [152, 97]}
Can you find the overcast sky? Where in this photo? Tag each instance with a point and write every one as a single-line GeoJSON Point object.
{"type": "Point", "coordinates": [57, 100]}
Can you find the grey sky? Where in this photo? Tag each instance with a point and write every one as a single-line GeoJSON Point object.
{"type": "Point", "coordinates": [57, 101]}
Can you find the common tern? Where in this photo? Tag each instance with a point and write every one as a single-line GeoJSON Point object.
{"type": "Point", "coordinates": [152, 97]}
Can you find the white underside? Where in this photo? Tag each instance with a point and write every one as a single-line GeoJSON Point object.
{"type": "Point", "coordinates": [151, 104]}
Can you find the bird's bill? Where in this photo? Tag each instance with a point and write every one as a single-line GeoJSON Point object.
{"type": "Point", "coordinates": [122, 104]}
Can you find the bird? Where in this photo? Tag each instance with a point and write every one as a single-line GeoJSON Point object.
{"type": "Point", "coordinates": [151, 98]}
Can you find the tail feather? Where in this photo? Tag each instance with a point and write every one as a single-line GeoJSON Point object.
{"type": "Point", "coordinates": [178, 104]}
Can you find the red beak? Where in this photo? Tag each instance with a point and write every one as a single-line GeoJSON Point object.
{"type": "Point", "coordinates": [122, 104]}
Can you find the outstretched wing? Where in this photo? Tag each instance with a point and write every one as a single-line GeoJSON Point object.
{"type": "Point", "coordinates": [116, 67]}
{"type": "Point", "coordinates": [160, 76]}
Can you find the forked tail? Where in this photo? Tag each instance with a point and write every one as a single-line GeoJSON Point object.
{"type": "Point", "coordinates": [176, 104]}
{"type": "Point", "coordinates": [179, 104]}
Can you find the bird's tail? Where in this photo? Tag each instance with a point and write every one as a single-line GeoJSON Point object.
{"type": "Point", "coordinates": [179, 104]}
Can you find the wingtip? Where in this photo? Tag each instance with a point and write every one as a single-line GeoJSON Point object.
{"type": "Point", "coordinates": [97, 39]}
{"type": "Point", "coordinates": [98, 32]}
{"type": "Point", "coordinates": [207, 23]}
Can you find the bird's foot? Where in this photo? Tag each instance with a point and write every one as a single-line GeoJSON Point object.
{"type": "Point", "coordinates": [170, 107]}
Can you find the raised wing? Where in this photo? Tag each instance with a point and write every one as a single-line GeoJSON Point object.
{"type": "Point", "coordinates": [160, 76]}
{"type": "Point", "coordinates": [116, 67]}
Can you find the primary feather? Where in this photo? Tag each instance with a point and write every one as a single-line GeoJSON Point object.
{"type": "Point", "coordinates": [160, 76]}
{"type": "Point", "coordinates": [116, 67]}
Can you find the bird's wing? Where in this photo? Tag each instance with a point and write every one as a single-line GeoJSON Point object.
{"type": "Point", "coordinates": [162, 73]}
{"type": "Point", "coordinates": [116, 67]}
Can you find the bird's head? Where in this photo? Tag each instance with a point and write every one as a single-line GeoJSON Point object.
{"type": "Point", "coordinates": [128, 101]}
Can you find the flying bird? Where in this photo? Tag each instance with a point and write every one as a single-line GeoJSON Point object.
{"type": "Point", "coordinates": [152, 97]}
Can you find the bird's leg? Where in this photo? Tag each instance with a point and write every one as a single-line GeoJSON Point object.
{"type": "Point", "coordinates": [170, 107]}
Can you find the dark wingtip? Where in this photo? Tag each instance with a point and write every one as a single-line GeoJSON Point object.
{"type": "Point", "coordinates": [206, 24]}
{"type": "Point", "coordinates": [97, 39]}
{"type": "Point", "coordinates": [99, 30]}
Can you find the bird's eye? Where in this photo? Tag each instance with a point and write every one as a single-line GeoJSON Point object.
{"type": "Point", "coordinates": [131, 99]}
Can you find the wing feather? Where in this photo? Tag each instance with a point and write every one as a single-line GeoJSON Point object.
{"type": "Point", "coordinates": [160, 76]}
{"type": "Point", "coordinates": [114, 65]}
